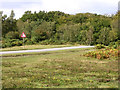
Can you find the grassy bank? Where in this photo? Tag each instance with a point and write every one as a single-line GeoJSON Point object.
{"type": "Point", "coordinates": [30, 47]}
{"type": "Point", "coordinates": [59, 69]}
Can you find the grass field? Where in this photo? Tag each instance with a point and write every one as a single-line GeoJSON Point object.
{"type": "Point", "coordinates": [58, 69]}
{"type": "Point", "coordinates": [30, 47]}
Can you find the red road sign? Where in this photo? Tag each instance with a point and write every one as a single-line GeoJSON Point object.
{"type": "Point", "coordinates": [23, 35]}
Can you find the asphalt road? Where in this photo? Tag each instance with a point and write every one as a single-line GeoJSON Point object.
{"type": "Point", "coordinates": [43, 50]}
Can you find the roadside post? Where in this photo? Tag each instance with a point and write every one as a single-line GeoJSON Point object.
{"type": "Point", "coordinates": [23, 36]}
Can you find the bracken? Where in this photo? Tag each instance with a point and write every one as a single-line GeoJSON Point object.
{"type": "Point", "coordinates": [103, 53]}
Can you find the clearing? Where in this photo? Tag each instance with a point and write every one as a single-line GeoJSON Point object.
{"type": "Point", "coordinates": [58, 69]}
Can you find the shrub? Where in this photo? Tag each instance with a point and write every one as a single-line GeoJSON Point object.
{"type": "Point", "coordinates": [115, 46]}
{"type": "Point", "coordinates": [111, 44]}
{"type": "Point", "coordinates": [11, 42]}
{"type": "Point", "coordinates": [45, 42]}
{"type": "Point", "coordinates": [8, 44]}
{"type": "Point", "coordinates": [29, 42]}
{"type": "Point", "coordinates": [3, 46]}
{"type": "Point", "coordinates": [39, 35]}
{"type": "Point", "coordinates": [12, 35]}
{"type": "Point", "coordinates": [100, 46]}
{"type": "Point", "coordinates": [17, 43]}
{"type": "Point", "coordinates": [58, 43]}
{"type": "Point", "coordinates": [103, 53]}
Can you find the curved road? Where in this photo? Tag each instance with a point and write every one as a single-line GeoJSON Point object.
{"type": "Point", "coordinates": [43, 50]}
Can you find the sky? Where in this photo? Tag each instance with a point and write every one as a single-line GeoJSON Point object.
{"type": "Point", "coordinates": [67, 6]}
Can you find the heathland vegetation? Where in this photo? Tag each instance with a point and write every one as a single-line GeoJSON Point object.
{"type": "Point", "coordinates": [76, 68]}
{"type": "Point", "coordinates": [58, 69]}
{"type": "Point", "coordinates": [55, 27]}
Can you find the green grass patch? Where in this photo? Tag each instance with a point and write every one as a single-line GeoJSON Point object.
{"type": "Point", "coordinates": [44, 53]}
{"type": "Point", "coordinates": [30, 47]}
{"type": "Point", "coordinates": [59, 69]}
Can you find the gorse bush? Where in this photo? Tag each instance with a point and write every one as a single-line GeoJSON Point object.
{"type": "Point", "coordinates": [12, 35]}
{"type": "Point", "coordinates": [100, 46]}
{"type": "Point", "coordinates": [45, 42]}
{"type": "Point", "coordinates": [17, 43]}
{"type": "Point", "coordinates": [29, 42]}
{"type": "Point", "coordinates": [115, 44]}
{"type": "Point", "coordinates": [11, 42]}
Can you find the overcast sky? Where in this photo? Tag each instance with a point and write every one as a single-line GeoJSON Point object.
{"type": "Point", "coordinates": [67, 6]}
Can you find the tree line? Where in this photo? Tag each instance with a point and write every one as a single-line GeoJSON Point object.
{"type": "Point", "coordinates": [55, 27]}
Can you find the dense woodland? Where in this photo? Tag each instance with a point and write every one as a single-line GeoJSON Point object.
{"type": "Point", "coordinates": [55, 27]}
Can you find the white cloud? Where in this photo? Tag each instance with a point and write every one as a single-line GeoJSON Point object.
{"type": "Point", "coordinates": [77, 6]}
{"type": "Point", "coordinates": [67, 6]}
{"type": "Point", "coordinates": [20, 0]}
